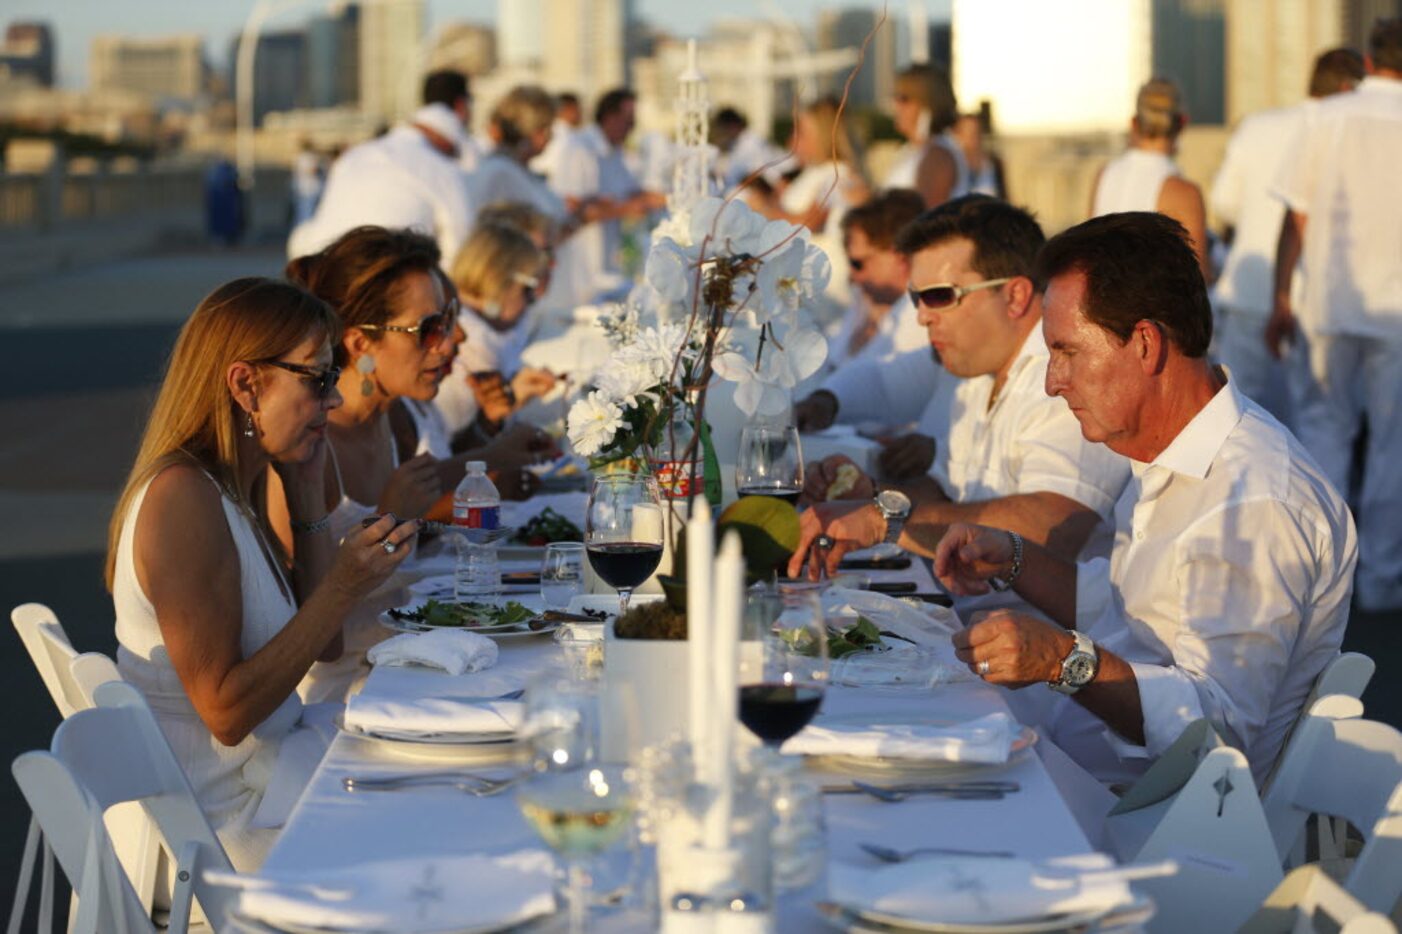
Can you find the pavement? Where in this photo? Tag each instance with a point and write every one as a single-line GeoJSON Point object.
{"type": "Point", "coordinates": [84, 351]}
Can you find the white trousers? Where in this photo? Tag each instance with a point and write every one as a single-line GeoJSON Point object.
{"type": "Point", "coordinates": [1239, 344]}
{"type": "Point", "coordinates": [1350, 377]}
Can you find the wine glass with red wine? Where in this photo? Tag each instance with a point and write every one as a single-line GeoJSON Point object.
{"type": "Point", "coordinates": [770, 462]}
{"type": "Point", "coordinates": [783, 663]}
{"type": "Point", "coordinates": [623, 531]}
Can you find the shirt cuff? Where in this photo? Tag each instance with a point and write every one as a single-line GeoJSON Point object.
{"type": "Point", "coordinates": [1168, 702]}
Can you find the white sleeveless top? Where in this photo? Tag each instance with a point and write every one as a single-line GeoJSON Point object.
{"type": "Point", "coordinates": [228, 781]}
{"type": "Point", "coordinates": [1131, 182]}
{"type": "Point", "coordinates": [907, 166]}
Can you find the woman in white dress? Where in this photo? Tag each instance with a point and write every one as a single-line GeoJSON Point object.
{"type": "Point", "coordinates": [931, 161]}
{"type": "Point", "coordinates": [214, 625]}
{"type": "Point", "coordinates": [521, 126]}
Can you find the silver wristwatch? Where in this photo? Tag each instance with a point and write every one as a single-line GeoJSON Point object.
{"type": "Point", "coordinates": [894, 507]}
{"type": "Point", "coordinates": [1079, 667]}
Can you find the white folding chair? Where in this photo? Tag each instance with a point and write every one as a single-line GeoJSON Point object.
{"type": "Point", "coordinates": [112, 753]}
{"type": "Point", "coordinates": [1310, 902]}
{"type": "Point", "coordinates": [1349, 768]}
{"type": "Point", "coordinates": [71, 680]}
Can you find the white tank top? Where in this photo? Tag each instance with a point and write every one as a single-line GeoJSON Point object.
{"type": "Point", "coordinates": [228, 781]}
{"type": "Point", "coordinates": [1132, 181]}
{"type": "Point", "coordinates": [907, 166]}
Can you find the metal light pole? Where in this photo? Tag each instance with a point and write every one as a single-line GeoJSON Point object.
{"type": "Point", "coordinates": [262, 11]}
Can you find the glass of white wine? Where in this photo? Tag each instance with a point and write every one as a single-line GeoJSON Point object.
{"type": "Point", "coordinates": [578, 813]}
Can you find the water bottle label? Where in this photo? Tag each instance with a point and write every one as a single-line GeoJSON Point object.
{"type": "Point", "coordinates": [478, 517]}
{"type": "Point", "coordinates": [674, 479]}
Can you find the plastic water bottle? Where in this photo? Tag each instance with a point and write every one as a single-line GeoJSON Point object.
{"type": "Point", "coordinates": [476, 505]}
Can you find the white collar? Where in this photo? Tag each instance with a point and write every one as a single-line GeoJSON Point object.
{"type": "Point", "coordinates": [1192, 452]}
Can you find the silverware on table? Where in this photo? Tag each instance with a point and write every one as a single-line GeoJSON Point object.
{"type": "Point", "coordinates": [889, 855]}
{"type": "Point", "coordinates": [481, 786]}
{"type": "Point", "coordinates": [974, 787]}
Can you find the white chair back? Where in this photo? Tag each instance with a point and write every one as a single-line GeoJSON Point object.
{"type": "Point", "coordinates": [1347, 676]}
{"type": "Point", "coordinates": [1309, 902]}
{"type": "Point", "coordinates": [115, 753]}
{"type": "Point", "coordinates": [52, 653]}
{"type": "Point", "coordinates": [1342, 766]}
{"type": "Point", "coordinates": [91, 670]}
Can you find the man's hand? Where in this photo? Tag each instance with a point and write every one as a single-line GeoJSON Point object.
{"type": "Point", "coordinates": [850, 525]}
{"type": "Point", "coordinates": [820, 477]}
{"type": "Point", "coordinates": [1013, 649]}
{"type": "Point", "coordinates": [969, 555]}
{"type": "Point", "coordinates": [907, 457]}
{"type": "Point", "coordinates": [494, 395]}
{"type": "Point", "coordinates": [816, 412]}
{"type": "Point", "coordinates": [1280, 329]}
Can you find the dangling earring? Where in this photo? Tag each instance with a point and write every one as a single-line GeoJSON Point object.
{"type": "Point", "coordinates": [365, 366]}
{"type": "Point", "coordinates": [248, 429]}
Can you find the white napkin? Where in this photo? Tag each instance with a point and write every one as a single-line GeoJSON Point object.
{"type": "Point", "coordinates": [421, 701]}
{"type": "Point", "coordinates": [406, 895]}
{"type": "Point", "coordinates": [987, 739]}
{"type": "Point", "coordinates": [298, 755]}
{"type": "Point", "coordinates": [452, 650]}
{"type": "Point", "coordinates": [926, 660]}
{"type": "Point", "coordinates": [963, 890]}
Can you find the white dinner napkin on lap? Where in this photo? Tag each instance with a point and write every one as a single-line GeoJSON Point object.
{"type": "Point", "coordinates": [455, 651]}
{"type": "Point", "coordinates": [405, 895]}
{"type": "Point", "coordinates": [987, 739]}
{"type": "Point", "coordinates": [963, 890]}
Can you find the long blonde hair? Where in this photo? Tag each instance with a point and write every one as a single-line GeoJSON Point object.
{"type": "Point", "coordinates": [194, 419]}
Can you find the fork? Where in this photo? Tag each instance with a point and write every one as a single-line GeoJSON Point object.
{"type": "Point", "coordinates": [480, 786]}
{"type": "Point", "coordinates": [893, 795]}
{"type": "Point", "coordinates": [476, 536]}
{"type": "Point", "coordinates": [889, 855]}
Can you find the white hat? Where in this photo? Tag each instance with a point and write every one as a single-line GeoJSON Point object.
{"type": "Point", "coordinates": [443, 120]}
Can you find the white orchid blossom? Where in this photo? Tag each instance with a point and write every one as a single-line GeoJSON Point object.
{"type": "Point", "coordinates": [795, 353]}
{"type": "Point", "coordinates": [592, 423]}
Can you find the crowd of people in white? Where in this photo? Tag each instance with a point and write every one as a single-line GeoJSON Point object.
{"type": "Point", "coordinates": [1133, 471]}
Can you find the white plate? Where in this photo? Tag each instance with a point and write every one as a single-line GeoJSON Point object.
{"type": "Point", "coordinates": [246, 925]}
{"type": "Point", "coordinates": [864, 921]}
{"type": "Point", "coordinates": [891, 767]}
{"type": "Point", "coordinates": [494, 632]}
{"type": "Point", "coordinates": [459, 747]}
{"type": "Point", "coordinates": [607, 602]}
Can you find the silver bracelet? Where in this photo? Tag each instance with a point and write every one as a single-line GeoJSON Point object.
{"type": "Point", "coordinates": [1001, 584]}
{"type": "Point", "coordinates": [316, 525]}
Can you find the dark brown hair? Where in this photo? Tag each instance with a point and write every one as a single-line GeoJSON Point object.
{"type": "Point", "coordinates": [1385, 44]}
{"type": "Point", "coordinates": [882, 218]}
{"type": "Point", "coordinates": [1139, 266]}
{"type": "Point", "coordinates": [1334, 71]}
{"type": "Point", "coordinates": [360, 274]}
{"type": "Point", "coordinates": [1005, 238]}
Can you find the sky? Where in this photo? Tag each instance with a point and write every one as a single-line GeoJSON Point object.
{"type": "Point", "coordinates": [76, 22]}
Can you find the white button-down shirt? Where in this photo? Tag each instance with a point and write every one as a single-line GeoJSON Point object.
{"type": "Point", "coordinates": [589, 167]}
{"type": "Point", "coordinates": [499, 178]}
{"type": "Point", "coordinates": [1228, 587]}
{"type": "Point", "coordinates": [1345, 174]}
{"type": "Point", "coordinates": [397, 180]}
{"type": "Point", "coordinates": [1242, 196]}
{"type": "Point", "coordinates": [857, 376]}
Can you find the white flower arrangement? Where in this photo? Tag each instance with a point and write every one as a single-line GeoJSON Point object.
{"type": "Point", "coordinates": [727, 263]}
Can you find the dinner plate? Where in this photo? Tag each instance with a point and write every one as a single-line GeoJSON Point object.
{"type": "Point", "coordinates": [248, 925]}
{"type": "Point", "coordinates": [458, 747]}
{"type": "Point", "coordinates": [892, 767]}
{"type": "Point", "coordinates": [607, 603]}
{"type": "Point", "coordinates": [857, 920]}
{"type": "Point", "coordinates": [500, 633]}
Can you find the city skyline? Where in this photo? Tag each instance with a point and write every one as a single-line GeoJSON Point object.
{"type": "Point", "coordinates": [76, 23]}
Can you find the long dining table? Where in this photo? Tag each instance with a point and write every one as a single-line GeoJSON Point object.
{"type": "Point", "coordinates": [331, 828]}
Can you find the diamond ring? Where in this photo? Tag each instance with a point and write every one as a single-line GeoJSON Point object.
{"type": "Point", "coordinates": [824, 542]}
{"type": "Point", "coordinates": [983, 668]}
{"type": "Point", "coordinates": [389, 547]}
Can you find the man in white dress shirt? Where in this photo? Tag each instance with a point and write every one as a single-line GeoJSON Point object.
{"type": "Point", "coordinates": [407, 178]}
{"type": "Point", "coordinates": [568, 117]}
{"type": "Point", "coordinates": [1227, 590]}
{"type": "Point", "coordinates": [1343, 187]}
{"type": "Point", "coordinates": [1006, 454]}
{"type": "Point", "coordinates": [1243, 198]}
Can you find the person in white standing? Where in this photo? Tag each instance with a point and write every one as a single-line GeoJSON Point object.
{"type": "Point", "coordinates": [1227, 589]}
{"type": "Point", "coordinates": [1343, 188]}
{"type": "Point", "coordinates": [1243, 199]}
{"type": "Point", "coordinates": [407, 179]}
{"type": "Point", "coordinates": [932, 161]}
{"type": "Point", "coordinates": [520, 128]}
{"type": "Point", "coordinates": [741, 152]}
{"type": "Point", "coordinates": [1145, 178]}
{"type": "Point", "coordinates": [569, 116]}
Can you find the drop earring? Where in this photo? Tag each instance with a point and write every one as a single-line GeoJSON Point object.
{"type": "Point", "coordinates": [248, 429]}
{"type": "Point", "coordinates": [365, 366]}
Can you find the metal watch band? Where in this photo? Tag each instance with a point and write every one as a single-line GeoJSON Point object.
{"type": "Point", "coordinates": [316, 525]}
{"type": "Point", "coordinates": [1001, 584]}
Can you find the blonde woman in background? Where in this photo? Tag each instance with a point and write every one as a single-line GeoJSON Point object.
{"type": "Point", "coordinates": [1146, 178]}
{"type": "Point", "coordinates": [214, 625]}
{"type": "Point", "coordinates": [520, 127]}
{"type": "Point", "coordinates": [499, 274]}
{"type": "Point", "coordinates": [932, 161]}
{"type": "Point", "coordinates": [830, 178]}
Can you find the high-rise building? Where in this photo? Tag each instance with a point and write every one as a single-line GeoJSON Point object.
{"type": "Point", "coordinates": [279, 73]}
{"type": "Point", "coordinates": [1271, 47]}
{"type": "Point", "coordinates": [1190, 47]}
{"type": "Point", "coordinates": [470, 48]}
{"type": "Point", "coordinates": [585, 45]}
{"type": "Point", "coordinates": [520, 35]}
{"type": "Point", "coordinates": [333, 58]}
{"type": "Point", "coordinates": [28, 53]}
{"type": "Point", "coordinates": [847, 29]}
{"type": "Point", "coordinates": [391, 63]}
{"type": "Point", "coordinates": [170, 68]}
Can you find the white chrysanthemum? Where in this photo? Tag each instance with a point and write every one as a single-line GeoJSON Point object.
{"type": "Point", "coordinates": [592, 424]}
{"type": "Point", "coordinates": [627, 381]}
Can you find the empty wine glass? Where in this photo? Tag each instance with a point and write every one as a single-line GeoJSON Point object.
{"type": "Point", "coordinates": [770, 462]}
{"type": "Point", "coordinates": [623, 531]}
{"type": "Point", "coordinates": [562, 573]}
{"type": "Point", "coordinates": [783, 662]}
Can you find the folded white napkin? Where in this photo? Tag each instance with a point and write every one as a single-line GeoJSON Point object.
{"type": "Point", "coordinates": [987, 739]}
{"type": "Point", "coordinates": [406, 895]}
{"type": "Point", "coordinates": [452, 650]}
{"type": "Point", "coordinates": [422, 701]}
{"type": "Point", "coordinates": [964, 890]}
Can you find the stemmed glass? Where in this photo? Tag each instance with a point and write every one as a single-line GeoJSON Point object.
{"type": "Point", "coordinates": [770, 462]}
{"type": "Point", "coordinates": [623, 531]}
{"type": "Point", "coordinates": [783, 663]}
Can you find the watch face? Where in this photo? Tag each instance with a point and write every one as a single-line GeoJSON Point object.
{"type": "Point", "coordinates": [894, 502]}
{"type": "Point", "coordinates": [1079, 670]}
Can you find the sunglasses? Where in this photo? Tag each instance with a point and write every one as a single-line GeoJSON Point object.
{"type": "Point", "coordinates": [321, 381]}
{"type": "Point", "coordinates": [940, 296]}
{"type": "Point", "coordinates": [431, 329]}
{"type": "Point", "coordinates": [530, 285]}
{"type": "Point", "coordinates": [855, 264]}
